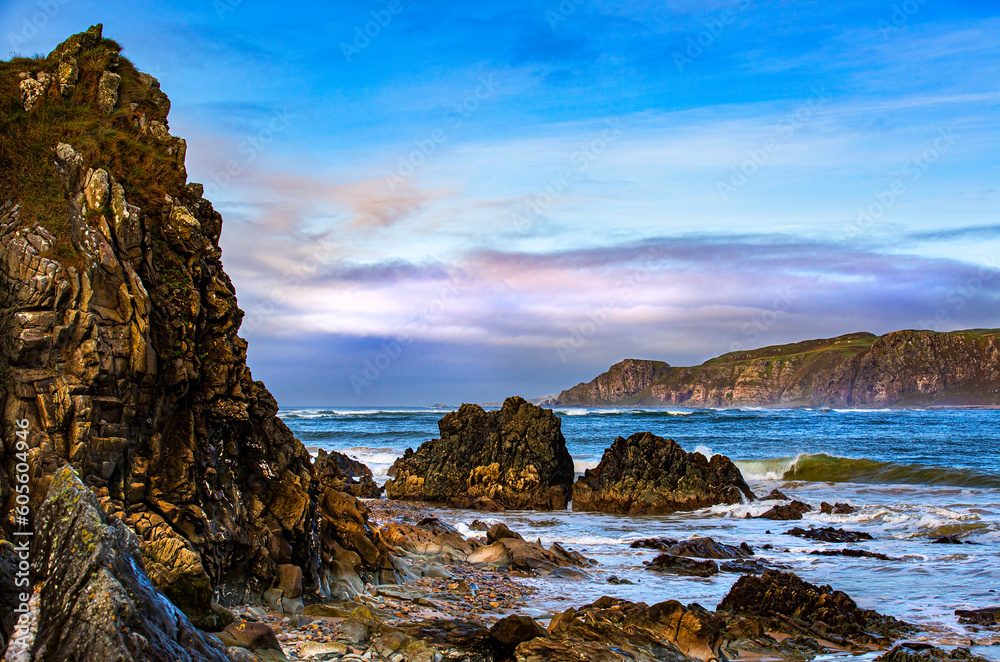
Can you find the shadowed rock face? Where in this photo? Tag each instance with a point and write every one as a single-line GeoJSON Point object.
{"type": "Point", "coordinates": [94, 599]}
{"type": "Point", "coordinates": [119, 340]}
{"type": "Point", "coordinates": [515, 457]}
{"type": "Point", "coordinates": [646, 474]}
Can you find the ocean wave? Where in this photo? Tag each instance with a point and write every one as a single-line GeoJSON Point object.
{"type": "Point", "coordinates": [825, 468]}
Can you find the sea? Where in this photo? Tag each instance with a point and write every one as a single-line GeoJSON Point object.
{"type": "Point", "coordinates": [914, 476]}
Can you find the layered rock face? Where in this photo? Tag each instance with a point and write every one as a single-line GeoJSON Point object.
{"type": "Point", "coordinates": [904, 368]}
{"type": "Point", "coordinates": [92, 597]}
{"type": "Point", "coordinates": [119, 345]}
{"type": "Point", "coordinates": [646, 474]}
{"type": "Point", "coordinates": [621, 382]}
{"type": "Point", "coordinates": [514, 458]}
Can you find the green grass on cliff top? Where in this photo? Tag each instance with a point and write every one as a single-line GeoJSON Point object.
{"type": "Point", "coordinates": [27, 140]}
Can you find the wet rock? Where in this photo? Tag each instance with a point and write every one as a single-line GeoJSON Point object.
{"type": "Point", "coordinates": [94, 599]}
{"type": "Point", "coordinates": [681, 565]}
{"type": "Point", "coordinates": [612, 629]}
{"type": "Point", "coordinates": [746, 566]}
{"type": "Point", "coordinates": [707, 548]}
{"type": "Point", "coordinates": [837, 509]}
{"type": "Point", "coordinates": [523, 555]}
{"type": "Point", "coordinates": [290, 580]}
{"type": "Point", "coordinates": [662, 544]}
{"type": "Point", "coordinates": [920, 652]}
{"type": "Point", "coordinates": [986, 616]}
{"type": "Point", "coordinates": [830, 534]}
{"type": "Point", "coordinates": [618, 581]}
{"type": "Point", "coordinates": [852, 554]}
{"type": "Point", "coordinates": [775, 495]}
{"type": "Point", "coordinates": [515, 629]}
{"type": "Point", "coordinates": [950, 540]}
{"type": "Point", "coordinates": [515, 458]}
{"type": "Point", "coordinates": [409, 540]}
{"type": "Point", "coordinates": [646, 474]}
{"type": "Point", "coordinates": [788, 511]}
{"type": "Point", "coordinates": [478, 525]}
{"type": "Point", "coordinates": [782, 602]}
{"type": "Point", "coordinates": [343, 474]}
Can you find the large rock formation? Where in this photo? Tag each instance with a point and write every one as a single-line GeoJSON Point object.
{"type": "Point", "coordinates": [900, 369]}
{"type": "Point", "coordinates": [514, 457]}
{"type": "Point", "coordinates": [93, 600]}
{"type": "Point", "coordinates": [646, 474]}
{"type": "Point", "coordinates": [620, 383]}
{"type": "Point", "coordinates": [119, 341]}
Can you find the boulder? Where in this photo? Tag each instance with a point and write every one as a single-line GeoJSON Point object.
{"type": "Point", "coordinates": [94, 600]}
{"type": "Point", "coordinates": [410, 540]}
{"type": "Point", "coordinates": [646, 474]}
{"type": "Point", "coordinates": [775, 495]}
{"type": "Point", "coordinates": [516, 629]}
{"type": "Point", "coordinates": [682, 565]}
{"type": "Point", "coordinates": [987, 616]}
{"type": "Point", "coordinates": [662, 544]}
{"type": "Point", "coordinates": [787, 511]}
{"type": "Point", "coordinates": [514, 458]}
{"type": "Point", "coordinates": [499, 532]}
{"type": "Point", "coordinates": [258, 638]}
{"type": "Point", "coordinates": [526, 556]}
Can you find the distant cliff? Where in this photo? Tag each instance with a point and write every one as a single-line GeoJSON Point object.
{"type": "Point", "coordinates": [900, 369]}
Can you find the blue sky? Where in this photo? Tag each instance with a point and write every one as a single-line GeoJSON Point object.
{"type": "Point", "coordinates": [474, 201]}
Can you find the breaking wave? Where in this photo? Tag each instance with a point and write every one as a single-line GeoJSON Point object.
{"type": "Point", "coordinates": [808, 467]}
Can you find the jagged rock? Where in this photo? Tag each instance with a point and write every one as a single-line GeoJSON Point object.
{"type": "Point", "coordinates": [119, 344]}
{"type": "Point", "coordinates": [646, 474]}
{"type": "Point", "coordinates": [682, 565]}
{"type": "Point", "coordinates": [613, 630]}
{"type": "Point", "coordinates": [782, 602]}
{"type": "Point", "coordinates": [852, 554]}
{"type": "Point", "coordinates": [985, 616]}
{"type": "Point", "coordinates": [836, 509]}
{"type": "Point", "coordinates": [921, 652]}
{"type": "Point", "coordinates": [339, 472]}
{"type": "Point", "coordinates": [707, 548]}
{"type": "Point", "coordinates": [787, 511]}
{"type": "Point", "coordinates": [830, 534]}
{"type": "Point", "coordinates": [775, 495]}
{"type": "Point", "coordinates": [516, 457]}
{"type": "Point", "coordinates": [33, 90]}
{"type": "Point", "coordinates": [95, 601]}
{"type": "Point", "coordinates": [662, 544]}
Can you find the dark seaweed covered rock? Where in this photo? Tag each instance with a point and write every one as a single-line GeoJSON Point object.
{"type": "Point", "coordinates": [95, 601]}
{"type": "Point", "coordinates": [783, 602]}
{"type": "Point", "coordinates": [646, 474]}
{"type": "Point", "coordinates": [920, 652]}
{"type": "Point", "coordinates": [682, 565]}
{"type": "Point", "coordinates": [787, 511]}
{"type": "Point", "coordinates": [830, 534]}
{"type": "Point", "coordinates": [514, 457]}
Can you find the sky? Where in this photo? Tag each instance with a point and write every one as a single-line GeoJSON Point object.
{"type": "Point", "coordinates": [440, 202]}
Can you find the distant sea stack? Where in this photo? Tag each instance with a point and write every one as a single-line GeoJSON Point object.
{"type": "Point", "coordinates": [900, 369]}
{"type": "Point", "coordinates": [119, 345]}
{"type": "Point", "coordinates": [511, 458]}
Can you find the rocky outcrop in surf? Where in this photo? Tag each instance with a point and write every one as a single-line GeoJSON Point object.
{"type": "Point", "coordinates": [900, 369]}
{"type": "Point", "coordinates": [514, 458]}
{"type": "Point", "coordinates": [646, 474]}
{"type": "Point", "coordinates": [779, 602]}
{"type": "Point", "coordinates": [119, 342]}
